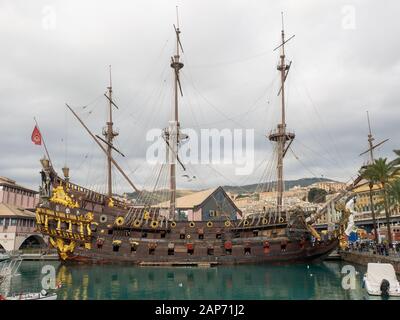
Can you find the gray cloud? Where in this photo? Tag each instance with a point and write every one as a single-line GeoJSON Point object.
{"type": "Point", "coordinates": [230, 72]}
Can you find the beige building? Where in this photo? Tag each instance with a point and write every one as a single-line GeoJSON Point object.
{"type": "Point", "coordinates": [329, 186]}
{"type": "Point", "coordinates": [363, 203]}
{"type": "Point", "coordinates": [17, 217]}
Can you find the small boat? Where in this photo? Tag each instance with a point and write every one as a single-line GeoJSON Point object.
{"type": "Point", "coordinates": [381, 280]}
{"type": "Point", "coordinates": [4, 257]}
{"type": "Point", "coordinates": [42, 295]}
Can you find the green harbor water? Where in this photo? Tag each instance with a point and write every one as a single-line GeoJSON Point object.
{"type": "Point", "coordinates": [266, 282]}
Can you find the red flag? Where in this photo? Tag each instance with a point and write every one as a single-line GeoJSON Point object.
{"type": "Point", "coordinates": [36, 136]}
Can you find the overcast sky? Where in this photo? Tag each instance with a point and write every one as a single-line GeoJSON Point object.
{"type": "Point", "coordinates": [345, 61]}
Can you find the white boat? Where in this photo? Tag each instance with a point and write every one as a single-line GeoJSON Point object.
{"type": "Point", "coordinates": [4, 257]}
{"type": "Point", "coordinates": [381, 280]}
{"type": "Point", "coordinates": [43, 295]}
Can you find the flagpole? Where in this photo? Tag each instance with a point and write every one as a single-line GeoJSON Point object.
{"type": "Point", "coordinates": [44, 143]}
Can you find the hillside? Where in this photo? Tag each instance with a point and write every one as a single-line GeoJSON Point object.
{"type": "Point", "coordinates": [304, 182]}
{"type": "Point", "coordinates": [162, 195]}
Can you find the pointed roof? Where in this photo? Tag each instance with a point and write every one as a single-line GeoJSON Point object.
{"type": "Point", "coordinates": [190, 201]}
{"type": "Point", "coordinates": [196, 199]}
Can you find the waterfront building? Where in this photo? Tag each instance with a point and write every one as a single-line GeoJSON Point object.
{"type": "Point", "coordinates": [17, 217]}
{"type": "Point", "coordinates": [13, 194]}
{"type": "Point", "coordinates": [363, 206]}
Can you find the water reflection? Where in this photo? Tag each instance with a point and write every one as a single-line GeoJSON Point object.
{"type": "Point", "coordinates": [317, 281]}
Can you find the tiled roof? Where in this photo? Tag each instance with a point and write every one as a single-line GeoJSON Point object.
{"type": "Point", "coordinates": [7, 210]}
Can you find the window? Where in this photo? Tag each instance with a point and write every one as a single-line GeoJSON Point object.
{"type": "Point", "coordinates": [144, 234]}
{"type": "Point", "coordinates": [247, 251]}
{"type": "Point", "coordinates": [212, 213]}
{"type": "Point", "coordinates": [151, 251]}
{"type": "Point", "coordinates": [110, 231]}
{"type": "Point", "coordinates": [162, 234]}
{"type": "Point", "coordinates": [115, 248]}
{"type": "Point", "coordinates": [13, 222]}
{"type": "Point", "coordinates": [1, 221]}
{"type": "Point", "coordinates": [210, 251]}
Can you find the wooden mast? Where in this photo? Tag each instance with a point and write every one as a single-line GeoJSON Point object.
{"type": "Point", "coordinates": [109, 134]}
{"type": "Point", "coordinates": [281, 136]}
{"type": "Point", "coordinates": [173, 130]}
{"type": "Point", "coordinates": [370, 142]}
{"type": "Point", "coordinates": [104, 149]}
{"type": "Point", "coordinates": [371, 185]}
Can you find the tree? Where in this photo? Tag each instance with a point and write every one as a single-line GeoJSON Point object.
{"type": "Point", "coordinates": [369, 175]}
{"type": "Point", "coordinates": [394, 194]}
{"type": "Point", "coordinates": [382, 172]}
{"type": "Point", "coordinates": [396, 162]}
{"type": "Point", "coordinates": [316, 195]}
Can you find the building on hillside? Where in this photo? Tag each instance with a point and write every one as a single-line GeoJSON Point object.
{"type": "Point", "coordinates": [212, 204]}
{"type": "Point", "coordinates": [296, 192]}
{"type": "Point", "coordinates": [17, 217]}
{"type": "Point", "coordinates": [329, 186]}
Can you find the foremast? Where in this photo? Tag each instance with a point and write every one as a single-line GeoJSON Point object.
{"type": "Point", "coordinates": [281, 136]}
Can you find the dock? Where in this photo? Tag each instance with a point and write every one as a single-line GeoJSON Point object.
{"type": "Point", "coordinates": [34, 255]}
{"type": "Point", "coordinates": [38, 257]}
{"type": "Point", "coordinates": [334, 256]}
{"type": "Point", "coordinates": [363, 258]}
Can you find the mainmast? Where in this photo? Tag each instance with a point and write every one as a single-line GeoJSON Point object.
{"type": "Point", "coordinates": [172, 133]}
{"type": "Point", "coordinates": [370, 140]}
{"type": "Point", "coordinates": [109, 134]}
{"type": "Point", "coordinates": [371, 145]}
{"type": "Point", "coordinates": [281, 136]}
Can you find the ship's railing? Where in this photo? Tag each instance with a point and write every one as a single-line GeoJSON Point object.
{"type": "Point", "coordinates": [90, 194]}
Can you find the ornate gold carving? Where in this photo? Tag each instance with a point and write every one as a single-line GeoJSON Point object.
{"type": "Point", "coordinates": [89, 216]}
{"type": "Point", "coordinates": [62, 247]}
{"type": "Point", "coordinates": [38, 220]}
{"type": "Point", "coordinates": [119, 221]}
{"type": "Point", "coordinates": [61, 197]}
{"type": "Point", "coordinates": [81, 229]}
{"type": "Point", "coordinates": [117, 242]}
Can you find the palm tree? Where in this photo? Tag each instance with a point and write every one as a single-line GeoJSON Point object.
{"type": "Point", "coordinates": [383, 172]}
{"type": "Point", "coordinates": [394, 194]}
{"type": "Point", "coordinates": [370, 177]}
{"type": "Point", "coordinates": [396, 162]}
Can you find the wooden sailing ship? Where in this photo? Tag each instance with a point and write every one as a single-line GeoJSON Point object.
{"type": "Point", "coordinates": [89, 227]}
